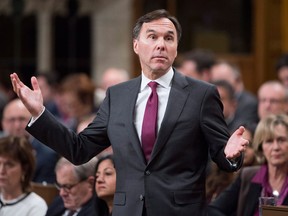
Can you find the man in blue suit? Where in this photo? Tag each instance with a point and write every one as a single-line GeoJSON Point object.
{"type": "Point", "coordinates": [190, 124]}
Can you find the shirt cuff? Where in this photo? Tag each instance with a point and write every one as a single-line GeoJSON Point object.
{"type": "Point", "coordinates": [234, 163]}
{"type": "Point", "coordinates": [33, 119]}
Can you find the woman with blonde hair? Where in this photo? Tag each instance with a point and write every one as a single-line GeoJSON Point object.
{"type": "Point", "coordinates": [269, 179]}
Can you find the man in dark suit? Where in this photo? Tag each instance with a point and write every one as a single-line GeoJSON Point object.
{"type": "Point", "coordinates": [170, 179]}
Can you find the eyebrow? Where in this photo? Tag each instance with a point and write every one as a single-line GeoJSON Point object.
{"type": "Point", "coordinates": [153, 31]}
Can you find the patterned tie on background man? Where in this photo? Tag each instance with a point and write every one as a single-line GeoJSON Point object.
{"type": "Point", "coordinates": [149, 126]}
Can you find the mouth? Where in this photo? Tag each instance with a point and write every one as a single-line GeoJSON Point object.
{"type": "Point", "coordinates": [159, 57]}
{"type": "Point", "coordinates": [101, 188]}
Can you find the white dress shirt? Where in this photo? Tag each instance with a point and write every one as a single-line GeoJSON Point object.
{"type": "Point", "coordinates": [163, 90]}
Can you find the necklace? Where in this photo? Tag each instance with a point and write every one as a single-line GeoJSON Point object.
{"type": "Point", "coordinates": [3, 204]}
{"type": "Point", "coordinates": [275, 193]}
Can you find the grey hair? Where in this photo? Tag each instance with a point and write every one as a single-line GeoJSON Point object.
{"type": "Point", "coordinates": [82, 171]}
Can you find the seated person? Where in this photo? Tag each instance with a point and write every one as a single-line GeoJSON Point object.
{"type": "Point", "coordinates": [105, 184]}
{"type": "Point", "coordinates": [17, 165]}
{"type": "Point", "coordinates": [15, 119]}
{"type": "Point", "coordinates": [76, 189]}
{"type": "Point", "coordinates": [269, 179]}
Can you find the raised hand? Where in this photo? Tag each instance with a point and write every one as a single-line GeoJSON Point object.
{"type": "Point", "coordinates": [236, 144]}
{"type": "Point", "coordinates": [32, 99]}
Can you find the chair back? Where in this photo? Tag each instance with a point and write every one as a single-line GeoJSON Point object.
{"type": "Point", "coordinates": [47, 191]}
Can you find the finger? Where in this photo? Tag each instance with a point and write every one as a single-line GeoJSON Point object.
{"type": "Point", "coordinates": [240, 131]}
{"type": "Point", "coordinates": [15, 82]}
{"type": "Point", "coordinates": [34, 83]}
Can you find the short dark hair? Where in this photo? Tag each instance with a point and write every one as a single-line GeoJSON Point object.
{"type": "Point", "coordinates": [282, 62]}
{"type": "Point", "coordinates": [227, 86]}
{"type": "Point", "coordinates": [155, 15]}
{"type": "Point", "coordinates": [203, 58]}
{"type": "Point", "coordinates": [103, 158]}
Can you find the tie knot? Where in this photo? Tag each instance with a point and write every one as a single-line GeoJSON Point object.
{"type": "Point", "coordinates": [153, 85]}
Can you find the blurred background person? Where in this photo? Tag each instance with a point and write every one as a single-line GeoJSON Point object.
{"type": "Point", "coordinates": [105, 184]}
{"type": "Point", "coordinates": [270, 179]}
{"type": "Point", "coordinates": [76, 189]}
{"type": "Point", "coordinates": [111, 76]}
{"type": "Point", "coordinates": [76, 99]}
{"type": "Point", "coordinates": [196, 63]}
{"type": "Point", "coordinates": [17, 165]}
{"type": "Point", "coordinates": [48, 85]}
{"type": "Point", "coordinates": [273, 98]}
{"type": "Point", "coordinates": [227, 96]}
{"type": "Point", "coordinates": [6, 91]}
{"type": "Point", "coordinates": [249, 154]}
{"type": "Point", "coordinates": [15, 119]}
{"type": "Point", "coordinates": [247, 102]}
{"type": "Point", "coordinates": [282, 69]}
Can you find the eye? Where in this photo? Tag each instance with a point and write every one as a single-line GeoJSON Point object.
{"type": "Point", "coordinates": [152, 36]}
{"type": "Point", "coordinates": [170, 38]}
{"type": "Point", "coordinates": [268, 141]}
{"type": "Point", "coordinates": [281, 140]}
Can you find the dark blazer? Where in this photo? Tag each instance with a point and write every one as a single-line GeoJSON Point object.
{"type": "Point", "coordinates": [240, 198]}
{"type": "Point", "coordinates": [46, 159]}
{"type": "Point", "coordinates": [173, 181]}
{"type": "Point", "coordinates": [247, 108]}
{"type": "Point", "coordinates": [56, 208]}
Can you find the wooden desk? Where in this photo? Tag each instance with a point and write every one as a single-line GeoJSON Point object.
{"type": "Point", "coordinates": [274, 210]}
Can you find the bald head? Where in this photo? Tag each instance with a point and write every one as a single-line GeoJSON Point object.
{"type": "Point", "coordinates": [15, 118]}
{"type": "Point", "coordinates": [226, 71]}
{"type": "Point", "coordinates": [113, 76]}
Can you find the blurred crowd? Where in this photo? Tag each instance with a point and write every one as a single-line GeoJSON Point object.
{"type": "Point", "coordinates": [88, 189]}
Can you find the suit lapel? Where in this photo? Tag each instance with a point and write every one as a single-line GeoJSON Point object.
{"type": "Point", "coordinates": [132, 94]}
{"type": "Point", "coordinates": [176, 101]}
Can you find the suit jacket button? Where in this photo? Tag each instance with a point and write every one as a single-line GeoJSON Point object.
{"type": "Point", "coordinates": [141, 197]}
{"type": "Point", "coordinates": [147, 172]}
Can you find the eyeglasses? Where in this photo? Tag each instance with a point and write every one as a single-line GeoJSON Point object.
{"type": "Point", "coordinates": [67, 187]}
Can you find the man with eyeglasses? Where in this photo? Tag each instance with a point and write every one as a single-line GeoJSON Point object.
{"type": "Point", "coordinates": [76, 189]}
{"type": "Point", "coordinates": [273, 98]}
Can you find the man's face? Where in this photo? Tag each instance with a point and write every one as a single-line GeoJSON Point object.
{"type": "Point", "coordinates": [15, 119]}
{"type": "Point", "coordinates": [271, 100]}
{"type": "Point", "coordinates": [156, 47]}
{"type": "Point", "coordinates": [73, 191]}
{"type": "Point", "coordinates": [189, 68]}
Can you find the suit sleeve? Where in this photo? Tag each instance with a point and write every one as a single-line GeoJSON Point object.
{"type": "Point", "coordinates": [77, 148]}
{"type": "Point", "coordinates": [215, 129]}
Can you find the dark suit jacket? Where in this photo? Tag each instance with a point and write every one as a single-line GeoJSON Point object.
{"type": "Point", "coordinates": [247, 108]}
{"type": "Point", "coordinates": [56, 208]}
{"type": "Point", "coordinates": [173, 181]}
{"type": "Point", "coordinates": [240, 198]}
{"type": "Point", "coordinates": [46, 159]}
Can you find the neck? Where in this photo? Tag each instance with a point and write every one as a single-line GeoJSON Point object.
{"type": "Point", "coordinates": [277, 176]}
{"type": "Point", "coordinates": [11, 194]}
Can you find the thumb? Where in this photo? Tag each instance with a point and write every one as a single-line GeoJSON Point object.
{"type": "Point", "coordinates": [34, 83]}
{"type": "Point", "coordinates": [240, 131]}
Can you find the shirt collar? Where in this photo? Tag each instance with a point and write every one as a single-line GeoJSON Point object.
{"type": "Point", "coordinates": [164, 81]}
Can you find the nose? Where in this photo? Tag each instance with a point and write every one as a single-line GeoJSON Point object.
{"type": "Point", "coordinates": [161, 44]}
{"type": "Point", "coordinates": [275, 144]}
{"type": "Point", "coordinates": [100, 179]}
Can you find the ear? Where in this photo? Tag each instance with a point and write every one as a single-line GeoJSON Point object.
{"type": "Point", "coordinates": [135, 46]}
